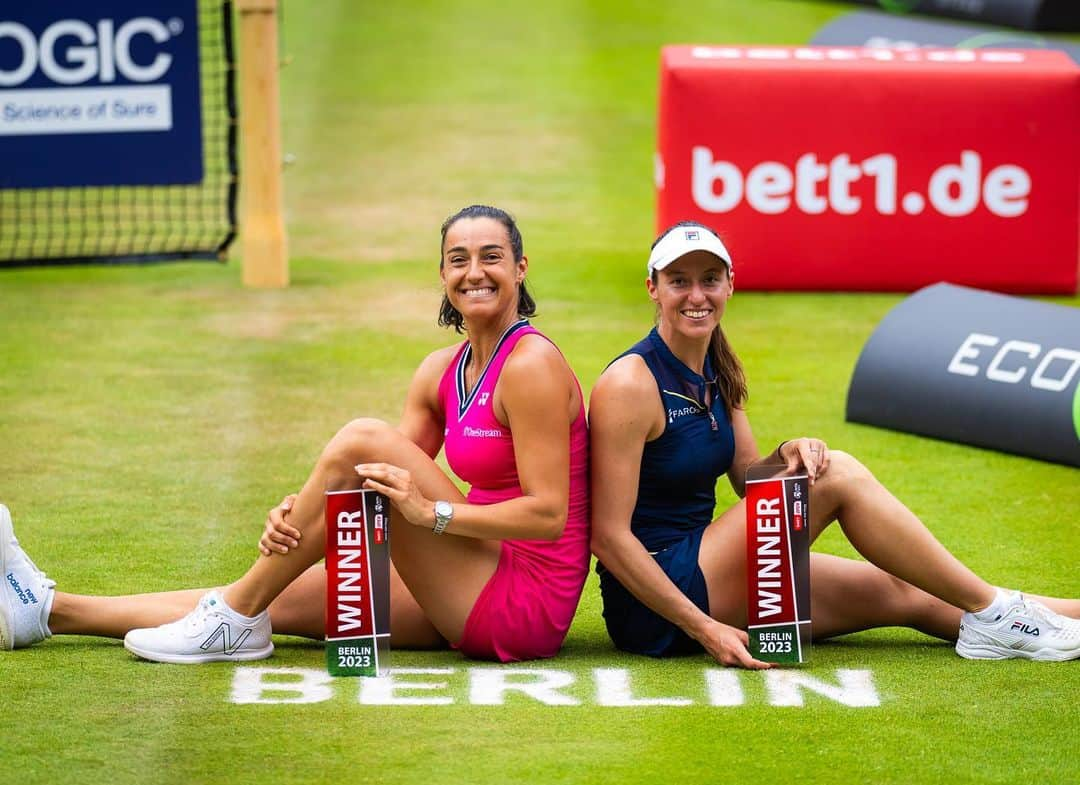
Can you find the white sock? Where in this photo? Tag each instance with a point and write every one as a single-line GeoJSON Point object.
{"type": "Point", "coordinates": [996, 609]}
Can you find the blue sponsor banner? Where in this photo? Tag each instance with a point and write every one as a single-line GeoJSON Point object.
{"type": "Point", "coordinates": [102, 93]}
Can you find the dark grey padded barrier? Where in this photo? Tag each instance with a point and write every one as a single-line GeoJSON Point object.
{"type": "Point", "coordinates": [877, 29]}
{"type": "Point", "coordinates": [1025, 14]}
{"type": "Point", "coordinates": [975, 367]}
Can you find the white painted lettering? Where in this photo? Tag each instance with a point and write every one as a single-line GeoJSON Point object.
{"type": "Point", "coordinates": [613, 689]}
{"type": "Point", "coordinates": [1042, 381]}
{"type": "Point", "coordinates": [855, 688]}
{"type": "Point", "coordinates": [383, 691]}
{"type": "Point", "coordinates": [965, 178]}
{"type": "Point", "coordinates": [706, 173]}
{"type": "Point", "coordinates": [808, 173]}
{"type": "Point", "coordinates": [954, 189]}
{"type": "Point", "coordinates": [488, 686]}
{"type": "Point", "coordinates": [280, 685]}
{"type": "Point", "coordinates": [994, 371]}
{"type": "Point", "coordinates": [841, 175]}
{"type": "Point", "coordinates": [967, 351]}
{"type": "Point", "coordinates": [883, 169]}
{"type": "Point", "coordinates": [723, 687]}
{"type": "Point", "coordinates": [100, 52]}
{"type": "Point", "coordinates": [768, 188]}
{"type": "Point", "coordinates": [1006, 191]}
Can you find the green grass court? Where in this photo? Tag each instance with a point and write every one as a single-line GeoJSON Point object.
{"type": "Point", "coordinates": [150, 416]}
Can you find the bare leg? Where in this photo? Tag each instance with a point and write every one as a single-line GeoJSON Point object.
{"type": "Point", "coordinates": [888, 534]}
{"type": "Point", "coordinates": [723, 562]}
{"type": "Point", "coordinates": [1069, 608]}
{"type": "Point", "coordinates": [444, 573]}
{"type": "Point", "coordinates": [299, 610]}
{"type": "Point", "coordinates": [113, 617]}
{"type": "Point", "coordinates": [847, 595]}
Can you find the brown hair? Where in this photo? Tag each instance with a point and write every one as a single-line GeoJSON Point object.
{"type": "Point", "coordinates": [730, 377]}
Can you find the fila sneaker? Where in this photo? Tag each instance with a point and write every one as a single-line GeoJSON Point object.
{"type": "Point", "coordinates": [26, 595]}
{"type": "Point", "coordinates": [213, 632]}
{"type": "Point", "coordinates": [1027, 629]}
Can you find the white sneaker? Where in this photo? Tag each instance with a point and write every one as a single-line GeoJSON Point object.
{"type": "Point", "coordinates": [1027, 629]}
{"type": "Point", "coordinates": [26, 595]}
{"type": "Point", "coordinates": [213, 632]}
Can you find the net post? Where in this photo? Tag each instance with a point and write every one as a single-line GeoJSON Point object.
{"type": "Point", "coordinates": [262, 222]}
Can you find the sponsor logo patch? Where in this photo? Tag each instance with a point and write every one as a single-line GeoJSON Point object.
{"type": "Point", "coordinates": [481, 433]}
{"type": "Point", "coordinates": [26, 597]}
{"type": "Point", "coordinates": [1025, 628]}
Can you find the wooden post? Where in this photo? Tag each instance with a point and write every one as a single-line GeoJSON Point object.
{"type": "Point", "coordinates": [262, 222]}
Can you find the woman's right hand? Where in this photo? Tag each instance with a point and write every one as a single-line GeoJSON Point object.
{"type": "Point", "coordinates": [278, 536]}
{"type": "Point", "coordinates": [728, 646]}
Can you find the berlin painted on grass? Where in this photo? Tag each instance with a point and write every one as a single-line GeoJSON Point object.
{"type": "Point", "coordinates": [495, 686]}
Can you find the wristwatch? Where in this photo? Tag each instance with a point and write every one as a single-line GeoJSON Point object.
{"type": "Point", "coordinates": [444, 512]}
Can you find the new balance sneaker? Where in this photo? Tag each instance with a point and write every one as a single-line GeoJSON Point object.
{"type": "Point", "coordinates": [213, 632]}
{"type": "Point", "coordinates": [1025, 629]}
{"type": "Point", "coordinates": [26, 595]}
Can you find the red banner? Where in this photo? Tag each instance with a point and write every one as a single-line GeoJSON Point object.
{"type": "Point", "coordinates": [876, 169]}
{"type": "Point", "coordinates": [771, 595]}
{"type": "Point", "coordinates": [349, 606]}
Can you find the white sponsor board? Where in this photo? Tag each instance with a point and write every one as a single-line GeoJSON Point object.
{"type": "Point", "coordinates": [494, 686]}
{"type": "Point", "coordinates": [85, 110]}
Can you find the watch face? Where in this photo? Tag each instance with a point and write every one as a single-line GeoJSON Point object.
{"type": "Point", "coordinates": [444, 509]}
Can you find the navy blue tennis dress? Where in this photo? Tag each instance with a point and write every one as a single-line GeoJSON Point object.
{"type": "Point", "coordinates": [675, 502]}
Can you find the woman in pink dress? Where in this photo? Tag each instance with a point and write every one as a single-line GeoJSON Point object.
{"type": "Point", "coordinates": [496, 574]}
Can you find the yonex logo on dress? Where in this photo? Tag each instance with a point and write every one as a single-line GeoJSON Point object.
{"type": "Point", "coordinates": [483, 399]}
{"type": "Point", "coordinates": [25, 595]}
{"type": "Point", "coordinates": [481, 433]}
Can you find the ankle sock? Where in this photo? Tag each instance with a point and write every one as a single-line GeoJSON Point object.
{"type": "Point", "coordinates": [996, 609]}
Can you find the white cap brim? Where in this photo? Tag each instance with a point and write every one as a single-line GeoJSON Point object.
{"type": "Point", "coordinates": [682, 240]}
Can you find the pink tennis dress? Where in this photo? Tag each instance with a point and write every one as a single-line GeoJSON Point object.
{"type": "Point", "coordinates": [526, 607]}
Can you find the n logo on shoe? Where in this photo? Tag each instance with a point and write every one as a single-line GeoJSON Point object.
{"type": "Point", "coordinates": [228, 646]}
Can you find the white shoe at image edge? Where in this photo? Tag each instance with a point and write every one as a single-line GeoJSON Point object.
{"type": "Point", "coordinates": [213, 632]}
{"type": "Point", "coordinates": [25, 595]}
{"type": "Point", "coordinates": [1027, 630]}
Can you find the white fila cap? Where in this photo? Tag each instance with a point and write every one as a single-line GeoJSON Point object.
{"type": "Point", "coordinates": [681, 240]}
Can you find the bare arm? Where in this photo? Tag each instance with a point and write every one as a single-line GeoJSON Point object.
{"type": "Point", "coordinates": [624, 413]}
{"type": "Point", "coordinates": [422, 418]}
{"type": "Point", "coordinates": [534, 392]}
{"type": "Point", "coordinates": [746, 451]}
{"type": "Point", "coordinates": [421, 422]}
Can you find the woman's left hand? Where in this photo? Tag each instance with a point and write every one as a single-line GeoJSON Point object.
{"type": "Point", "coordinates": [813, 454]}
{"type": "Point", "coordinates": [397, 485]}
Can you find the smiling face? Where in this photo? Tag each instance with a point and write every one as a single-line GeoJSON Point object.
{"type": "Point", "coordinates": [479, 271]}
{"type": "Point", "coordinates": [691, 294]}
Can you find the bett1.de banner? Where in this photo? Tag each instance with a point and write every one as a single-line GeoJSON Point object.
{"type": "Point", "coordinates": [834, 168]}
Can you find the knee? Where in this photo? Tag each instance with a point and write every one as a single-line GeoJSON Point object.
{"type": "Point", "coordinates": [844, 475]}
{"type": "Point", "coordinates": [845, 467]}
{"type": "Point", "coordinates": [358, 441]}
